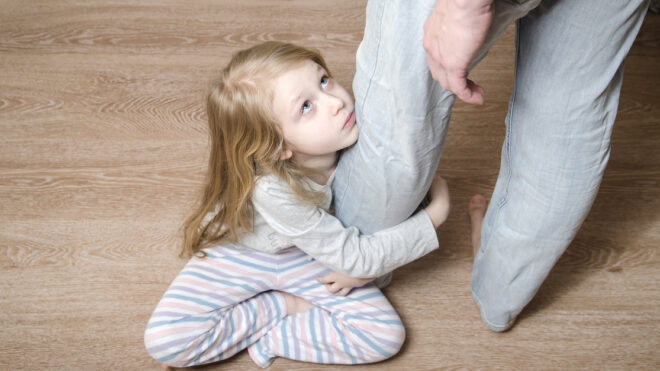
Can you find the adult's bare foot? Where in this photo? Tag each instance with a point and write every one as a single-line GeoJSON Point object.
{"type": "Point", "coordinates": [476, 211]}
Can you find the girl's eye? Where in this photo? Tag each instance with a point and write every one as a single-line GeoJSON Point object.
{"type": "Point", "coordinates": [306, 106]}
{"type": "Point", "coordinates": [324, 81]}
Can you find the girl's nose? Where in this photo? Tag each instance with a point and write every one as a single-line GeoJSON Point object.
{"type": "Point", "coordinates": [336, 103]}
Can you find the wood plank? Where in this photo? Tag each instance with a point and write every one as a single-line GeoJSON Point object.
{"type": "Point", "coordinates": [103, 150]}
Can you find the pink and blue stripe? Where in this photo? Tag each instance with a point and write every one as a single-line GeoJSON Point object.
{"type": "Point", "coordinates": [230, 301]}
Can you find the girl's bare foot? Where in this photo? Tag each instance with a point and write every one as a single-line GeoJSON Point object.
{"type": "Point", "coordinates": [166, 367]}
{"type": "Point", "coordinates": [295, 304]}
{"type": "Point", "coordinates": [476, 211]}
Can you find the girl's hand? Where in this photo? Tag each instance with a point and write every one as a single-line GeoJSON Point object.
{"type": "Point", "coordinates": [438, 209]}
{"type": "Point", "coordinates": [337, 283]}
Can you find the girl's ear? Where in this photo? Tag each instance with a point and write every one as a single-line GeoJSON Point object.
{"type": "Point", "coordinates": [286, 154]}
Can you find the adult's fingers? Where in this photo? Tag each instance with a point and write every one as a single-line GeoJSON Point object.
{"type": "Point", "coordinates": [457, 83]}
{"type": "Point", "coordinates": [465, 89]}
{"type": "Point", "coordinates": [437, 72]}
{"type": "Point", "coordinates": [478, 93]}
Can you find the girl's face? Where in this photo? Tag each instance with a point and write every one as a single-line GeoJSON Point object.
{"type": "Point", "coordinates": [316, 114]}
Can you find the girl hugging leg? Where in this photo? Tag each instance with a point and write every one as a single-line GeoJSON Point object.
{"type": "Point", "coordinates": [277, 120]}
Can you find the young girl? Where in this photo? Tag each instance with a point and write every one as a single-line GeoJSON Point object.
{"type": "Point", "coordinates": [267, 254]}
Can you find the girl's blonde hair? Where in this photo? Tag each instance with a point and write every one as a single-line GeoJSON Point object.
{"type": "Point", "coordinates": [245, 142]}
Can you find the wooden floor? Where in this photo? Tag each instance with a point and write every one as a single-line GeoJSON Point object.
{"type": "Point", "coordinates": [103, 145]}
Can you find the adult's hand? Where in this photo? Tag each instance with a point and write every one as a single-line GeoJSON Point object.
{"type": "Point", "coordinates": [453, 33]}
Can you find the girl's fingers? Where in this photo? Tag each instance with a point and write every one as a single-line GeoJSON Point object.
{"type": "Point", "coordinates": [333, 287]}
{"type": "Point", "coordinates": [325, 279]}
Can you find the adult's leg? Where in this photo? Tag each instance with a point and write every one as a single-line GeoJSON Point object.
{"type": "Point", "coordinates": [361, 327]}
{"type": "Point", "coordinates": [402, 114]}
{"type": "Point", "coordinates": [568, 77]}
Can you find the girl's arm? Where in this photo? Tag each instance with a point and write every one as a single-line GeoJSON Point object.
{"type": "Point", "coordinates": [342, 249]}
{"type": "Point", "coordinates": [438, 210]}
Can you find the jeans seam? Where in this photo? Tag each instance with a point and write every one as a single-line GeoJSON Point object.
{"type": "Point", "coordinates": [510, 118]}
{"type": "Point", "coordinates": [507, 144]}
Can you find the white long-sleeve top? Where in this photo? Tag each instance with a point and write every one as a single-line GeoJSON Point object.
{"type": "Point", "coordinates": [282, 220]}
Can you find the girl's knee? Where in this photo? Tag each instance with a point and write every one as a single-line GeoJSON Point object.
{"type": "Point", "coordinates": [397, 339]}
{"type": "Point", "coordinates": [385, 342]}
{"type": "Point", "coordinates": [168, 355]}
{"type": "Point", "coordinates": [173, 345]}
{"type": "Point", "coordinates": [158, 350]}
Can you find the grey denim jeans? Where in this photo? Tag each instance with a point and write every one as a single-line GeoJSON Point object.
{"type": "Point", "coordinates": [569, 61]}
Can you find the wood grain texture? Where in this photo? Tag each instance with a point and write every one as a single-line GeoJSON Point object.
{"type": "Point", "coordinates": [103, 144]}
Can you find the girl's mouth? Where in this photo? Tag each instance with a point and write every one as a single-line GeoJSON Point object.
{"type": "Point", "coordinates": [349, 121]}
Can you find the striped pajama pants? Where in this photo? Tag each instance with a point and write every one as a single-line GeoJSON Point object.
{"type": "Point", "coordinates": [230, 300]}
